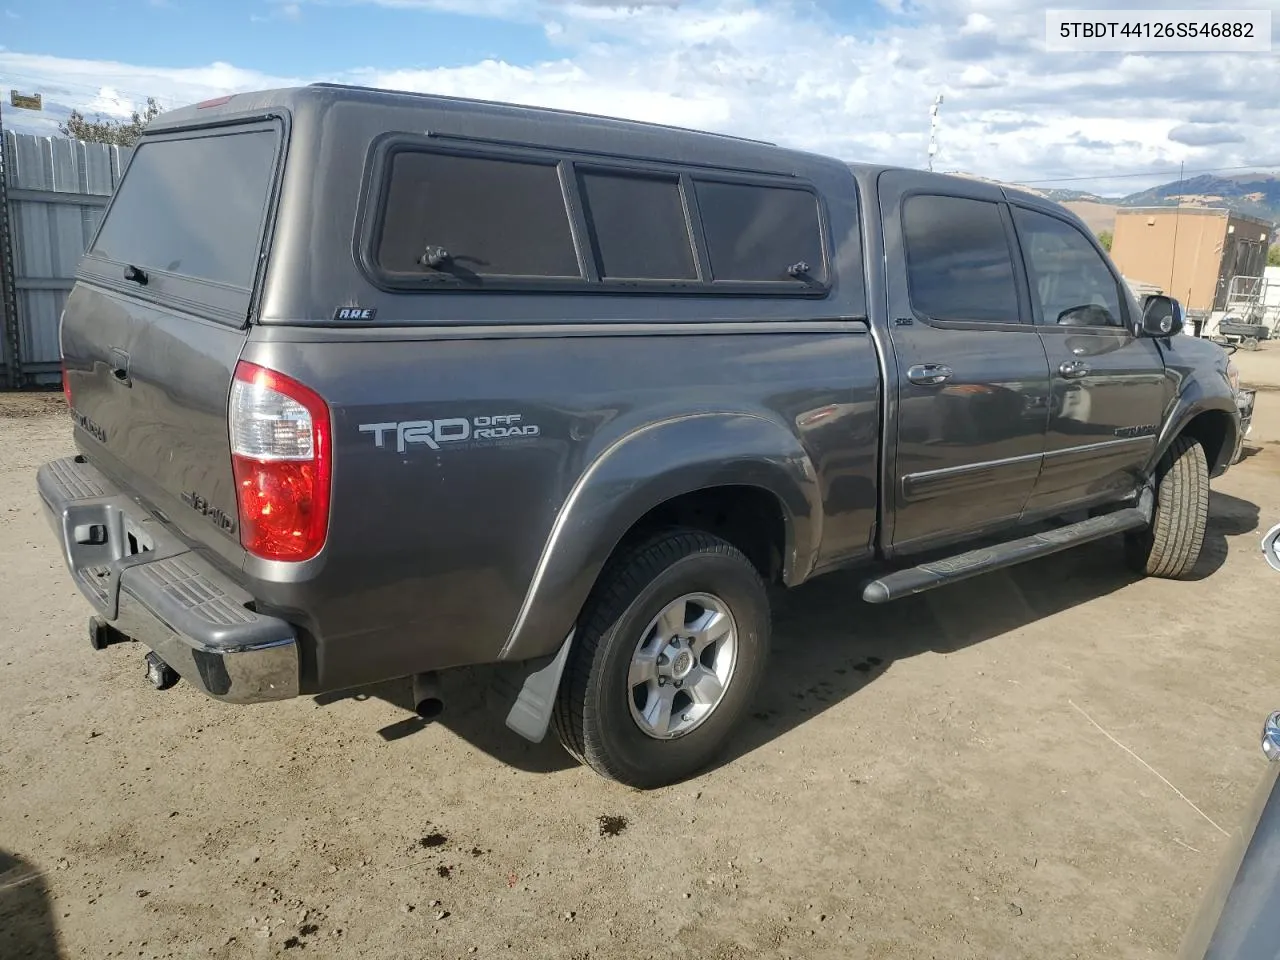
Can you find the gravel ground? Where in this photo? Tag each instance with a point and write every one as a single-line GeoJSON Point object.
{"type": "Point", "coordinates": [955, 775]}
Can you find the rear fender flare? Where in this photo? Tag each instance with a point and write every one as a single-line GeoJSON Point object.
{"type": "Point", "coordinates": [642, 470]}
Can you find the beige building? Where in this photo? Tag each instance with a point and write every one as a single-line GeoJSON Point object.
{"type": "Point", "coordinates": [1190, 252]}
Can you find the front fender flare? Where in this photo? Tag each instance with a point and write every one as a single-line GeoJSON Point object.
{"type": "Point", "coordinates": [640, 471]}
{"type": "Point", "coordinates": [1188, 405]}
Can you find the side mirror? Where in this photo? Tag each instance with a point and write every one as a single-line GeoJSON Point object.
{"type": "Point", "coordinates": [1161, 316]}
{"type": "Point", "coordinates": [1086, 315]}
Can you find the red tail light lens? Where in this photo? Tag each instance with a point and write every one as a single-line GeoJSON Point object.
{"type": "Point", "coordinates": [282, 461]}
{"type": "Point", "coordinates": [66, 384]}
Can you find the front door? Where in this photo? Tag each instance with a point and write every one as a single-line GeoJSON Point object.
{"type": "Point", "coordinates": [973, 380]}
{"type": "Point", "coordinates": [1109, 386]}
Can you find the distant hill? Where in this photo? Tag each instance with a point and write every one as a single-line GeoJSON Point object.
{"type": "Point", "coordinates": [1252, 194]}
{"type": "Point", "coordinates": [1063, 196]}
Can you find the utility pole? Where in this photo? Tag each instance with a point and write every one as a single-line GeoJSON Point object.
{"type": "Point", "coordinates": [933, 129]}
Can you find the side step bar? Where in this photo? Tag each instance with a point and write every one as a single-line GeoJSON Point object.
{"type": "Point", "coordinates": [938, 573]}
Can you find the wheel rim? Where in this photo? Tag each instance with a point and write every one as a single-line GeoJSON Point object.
{"type": "Point", "coordinates": [682, 666]}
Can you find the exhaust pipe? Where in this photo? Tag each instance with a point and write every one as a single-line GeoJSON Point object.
{"type": "Point", "coordinates": [426, 695]}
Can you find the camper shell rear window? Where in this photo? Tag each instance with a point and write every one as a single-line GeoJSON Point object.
{"type": "Point", "coordinates": [463, 218]}
{"type": "Point", "coordinates": [186, 222]}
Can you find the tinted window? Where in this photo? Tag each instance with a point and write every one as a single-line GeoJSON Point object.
{"type": "Point", "coordinates": [958, 261]}
{"type": "Point", "coordinates": [638, 227]}
{"type": "Point", "coordinates": [1069, 280]}
{"type": "Point", "coordinates": [193, 207]}
{"type": "Point", "coordinates": [756, 233]}
{"type": "Point", "coordinates": [492, 217]}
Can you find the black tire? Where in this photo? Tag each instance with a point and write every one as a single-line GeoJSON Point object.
{"type": "Point", "coordinates": [592, 716]}
{"type": "Point", "coordinates": [1170, 546]}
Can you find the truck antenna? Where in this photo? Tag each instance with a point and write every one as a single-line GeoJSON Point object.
{"type": "Point", "coordinates": [933, 129]}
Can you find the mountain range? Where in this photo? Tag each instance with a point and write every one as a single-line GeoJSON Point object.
{"type": "Point", "coordinates": [1251, 194]}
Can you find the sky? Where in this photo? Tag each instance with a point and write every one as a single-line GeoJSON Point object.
{"type": "Point", "coordinates": [850, 78]}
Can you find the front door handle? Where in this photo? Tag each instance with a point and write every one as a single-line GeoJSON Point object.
{"type": "Point", "coordinates": [1074, 369]}
{"type": "Point", "coordinates": [929, 374]}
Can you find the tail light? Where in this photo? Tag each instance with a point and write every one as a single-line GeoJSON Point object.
{"type": "Point", "coordinates": [280, 452]}
{"type": "Point", "coordinates": [66, 384]}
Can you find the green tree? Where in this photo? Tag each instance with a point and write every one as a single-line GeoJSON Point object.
{"type": "Point", "coordinates": [1273, 255]}
{"type": "Point", "coordinates": [122, 133]}
{"type": "Point", "coordinates": [1105, 238]}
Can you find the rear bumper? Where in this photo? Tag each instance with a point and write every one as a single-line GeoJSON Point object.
{"type": "Point", "coordinates": [149, 585]}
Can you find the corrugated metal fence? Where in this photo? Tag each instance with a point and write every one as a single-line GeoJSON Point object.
{"type": "Point", "coordinates": [57, 189]}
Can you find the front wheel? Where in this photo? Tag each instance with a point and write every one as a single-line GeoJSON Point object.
{"type": "Point", "coordinates": [1170, 546]}
{"type": "Point", "coordinates": [668, 655]}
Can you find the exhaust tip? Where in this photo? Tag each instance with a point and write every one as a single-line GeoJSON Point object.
{"type": "Point", "coordinates": [427, 702]}
{"type": "Point", "coordinates": [429, 708]}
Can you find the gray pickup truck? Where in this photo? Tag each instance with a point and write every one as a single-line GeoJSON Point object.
{"type": "Point", "coordinates": [368, 385]}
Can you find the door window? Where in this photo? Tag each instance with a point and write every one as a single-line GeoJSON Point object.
{"type": "Point", "coordinates": [1069, 280]}
{"type": "Point", "coordinates": [959, 265]}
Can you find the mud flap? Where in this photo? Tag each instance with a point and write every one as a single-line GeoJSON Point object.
{"type": "Point", "coordinates": [530, 715]}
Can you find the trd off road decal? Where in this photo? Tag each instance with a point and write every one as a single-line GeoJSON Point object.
{"type": "Point", "coordinates": [435, 434]}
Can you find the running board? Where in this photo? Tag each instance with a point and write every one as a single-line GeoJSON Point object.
{"type": "Point", "coordinates": [938, 573]}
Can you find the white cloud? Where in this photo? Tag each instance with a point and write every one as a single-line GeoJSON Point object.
{"type": "Point", "coordinates": [108, 102]}
{"type": "Point", "coordinates": [978, 77]}
{"type": "Point", "coordinates": [978, 23]}
{"type": "Point", "coordinates": [778, 70]}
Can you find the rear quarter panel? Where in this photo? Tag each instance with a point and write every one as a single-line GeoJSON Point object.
{"type": "Point", "coordinates": [431, 551]}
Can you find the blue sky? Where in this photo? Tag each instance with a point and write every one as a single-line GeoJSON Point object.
{"type": "Point", "coordinates": [265, 36]}
{"type": "Point", "coordinates": [854, 78]}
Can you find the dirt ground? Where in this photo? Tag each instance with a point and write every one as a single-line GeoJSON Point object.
{"type": "Point", "coordinates": [935, 778]}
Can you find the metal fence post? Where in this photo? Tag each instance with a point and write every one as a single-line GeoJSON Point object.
{"type": "Point", "coordinates": [8, 287]}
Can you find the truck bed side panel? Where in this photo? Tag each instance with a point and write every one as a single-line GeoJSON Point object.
{"type": "Point", "coordinates": [433, 545]}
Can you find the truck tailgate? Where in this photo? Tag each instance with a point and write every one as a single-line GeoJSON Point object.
{"type": "Point", "coordinates": [155, 325]}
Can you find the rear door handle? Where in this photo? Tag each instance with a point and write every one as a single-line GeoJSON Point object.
{"type": "Point", "coordinates": [1074, 369]}
{"type": "Point", "coordinates": [929, 374]}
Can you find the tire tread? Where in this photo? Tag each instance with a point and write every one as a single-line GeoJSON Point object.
{"type": "Point", "coordinates": [1172, 545]}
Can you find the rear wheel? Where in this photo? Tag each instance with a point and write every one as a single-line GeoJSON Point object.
{"type": "Point", "coordinates": [669, 653]}
{"type": "Point", "coordinates": [1170, 546]}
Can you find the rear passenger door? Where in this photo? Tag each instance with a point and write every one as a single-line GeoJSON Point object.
{"type": "Point", "coordinates": [973, 381]}
{"type": "Point", "coordinates": [1109, 386]}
